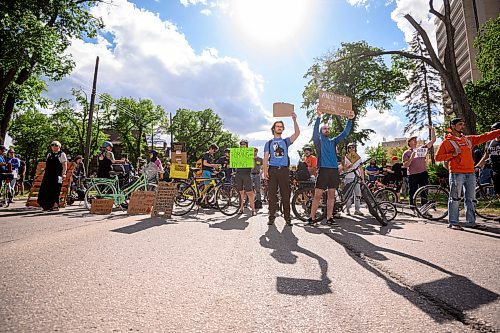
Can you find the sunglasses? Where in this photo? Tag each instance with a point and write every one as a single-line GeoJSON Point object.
{"type": "Point", "coordinates": [54, 145]}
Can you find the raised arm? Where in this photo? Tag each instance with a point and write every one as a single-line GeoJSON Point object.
{"type": "Point", "coordinates": [315, 137]}
{"type": "Point", "coordinates": [296, 129]}
{"type": "Point", "coordinates": [433, 138]}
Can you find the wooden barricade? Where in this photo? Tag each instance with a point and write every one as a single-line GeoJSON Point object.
{"type": "Point", "coordinates": [37, 182]}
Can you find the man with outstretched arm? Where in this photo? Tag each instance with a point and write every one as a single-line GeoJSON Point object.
{"type": "Point", "coordinates": [456, 149]}
{"type": "Point", "coordinates": [328, 168]}
{"type": "Point", "coordinates": [276, 168]}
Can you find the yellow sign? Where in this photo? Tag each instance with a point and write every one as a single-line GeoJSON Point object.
{"type": "Point", "coordinates": [353, 157]}
{"type": "Point", "coordinates": [179, 171]}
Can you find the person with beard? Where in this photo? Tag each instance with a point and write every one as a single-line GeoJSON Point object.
{"type": "Point", "coordinates": [54, 174]}
{"type": "Point", "coordinates": [276, 168]}
{"type": "Point", "coordinates": [456, 149]}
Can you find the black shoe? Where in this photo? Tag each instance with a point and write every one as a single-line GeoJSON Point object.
{"type": "Point", "coordinates": [310, 221]}
{"type": "Point", "coordinates": [331, 221]}
{"type": "Point", "coordinates": [288, 223]}
{"type": "Point", "coordinates": [270, 222]}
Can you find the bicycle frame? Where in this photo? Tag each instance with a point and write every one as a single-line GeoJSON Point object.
{"type": "Point", "coordinates": [119, 195]}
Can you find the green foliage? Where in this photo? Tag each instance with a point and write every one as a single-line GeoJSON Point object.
{"type": "Point", "coordinates": [484, 94]}
{"type": "Point", "coordinates": [34, 38]}
{"type": "Point", "coordinates": [436, 172]}
{"type": "Point", "coordinates": [369, 82]}
{"type": "Point", "coordinates": [199, 129]}
{"type": "Point", "coordinates": [397, 151]}
{"type": "Point", "coordinates": [378, 153]}
{"type": "Point", "coordinates": [134, 121]}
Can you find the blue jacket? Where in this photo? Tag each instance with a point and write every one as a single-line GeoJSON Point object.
{"type": "Point", "coordinates": [326, 147]}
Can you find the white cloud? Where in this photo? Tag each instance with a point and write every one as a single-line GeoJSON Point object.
{"type": "Point", "coordinates": [206, 12]}
{"type": "Point", "coordinates": [186, 3]}
{"type": "Point", "coordinates": [142, 56]}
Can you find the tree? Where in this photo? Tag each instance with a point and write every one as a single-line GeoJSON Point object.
{"type": "Point", "coordinates": [134, 120]}
{"type": "Point", "coordinates": [447, 68]}
{"type": "Point", "coordinates": [424, 92]}
{"type": "Point", "coordinates": [33, 38]}
{"type": "Point", "coordinates": [397, 151]}
{"type": "Point", "coordinates": [367, 82]}
{"type": "Point", "coordinates": [484, 94]}
{"type": "Point", "coordinates": [32, 132]}
{"type": "Point", "coordinates": [199, 129]}
{"type": "Point", "coordinates": [377, 153]}
{"type": "Point", "coordinates": [72, 121]}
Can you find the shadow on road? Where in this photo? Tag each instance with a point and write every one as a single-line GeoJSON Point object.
{"type": "Point", "coordinates": [142, 225]}
{"type": "Point", "coordinates": [455, 294]}
{"type": "Point", "coordinates": [283, 245]}
{"type": "Point", "coordinates": [237, 222]}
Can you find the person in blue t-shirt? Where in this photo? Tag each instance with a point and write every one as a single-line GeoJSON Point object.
{"type": "Point", "coordinates": [276, 169]}
{"type": "Point", "coordinates": [328, 175]}
{"type": "Point", "coordinates": [372, 170]}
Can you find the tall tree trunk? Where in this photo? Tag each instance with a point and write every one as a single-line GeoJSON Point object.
{"type": "Point", "coordinates": [8, 109]}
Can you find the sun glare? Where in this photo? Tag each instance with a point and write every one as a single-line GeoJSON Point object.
{"type": "Point", "coordinates": [270, 22]}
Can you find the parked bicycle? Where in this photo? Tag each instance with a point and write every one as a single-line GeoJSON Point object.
{"type": "Point", "coordinates": [7, 190]}
{"type": "Point", "coordinates": [206, 192]}
{"type": "Point", "coordinates": [302, 201]}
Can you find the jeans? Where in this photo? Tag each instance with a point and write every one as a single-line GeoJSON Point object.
{"type": "Point", "coordinates": [256, 185]}
{"type": "Point", "coordinates": [467, 182]}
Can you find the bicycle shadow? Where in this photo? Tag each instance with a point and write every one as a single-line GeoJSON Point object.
{"type": "Point", "coordinates": [283, 245]}
{"type": "Point", "coordinates": [144, 224]}
{"type": "Point", "coordinates": [455, 293]}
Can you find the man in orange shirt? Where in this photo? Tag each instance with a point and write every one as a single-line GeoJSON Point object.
{"type": "Point", "coordinates": [456, 149]}
{"type": "Point", "coordinates": [311, 161]}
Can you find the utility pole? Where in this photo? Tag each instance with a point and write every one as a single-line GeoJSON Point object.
{"type": "Point", "coordinates": [91, 116]}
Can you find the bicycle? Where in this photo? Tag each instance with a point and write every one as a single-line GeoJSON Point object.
{"type": "Point", "coordinates": [17, 187]}
{"type": "Point", "coordinates": [211, 192]}
{"type": "Point", "coordinates": [431, 202]}
{"type": "Point", "coordinates": [109, 188]}
{"type": "Point", "coordinates": [7, 190]}
{"type": "Point", "coordinates": [302, 201]}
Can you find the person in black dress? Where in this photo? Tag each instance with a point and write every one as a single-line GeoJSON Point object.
{"type": "Point", "coordinates": [55, 172]}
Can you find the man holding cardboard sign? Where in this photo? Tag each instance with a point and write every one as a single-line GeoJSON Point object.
{"type": "Point", "coordinates": [276, 168]}
{"type": "Point", "coordinates": [328, 174]}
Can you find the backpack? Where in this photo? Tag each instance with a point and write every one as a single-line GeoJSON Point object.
{"type": "Point", "coordinates": [302, 172]}
{"type": "Point", "coordinates": [457, 149]}
{"type": "Point", "coordinates": [269, 149]}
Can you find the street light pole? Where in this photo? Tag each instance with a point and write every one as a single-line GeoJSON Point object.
{"type": "Point", "coordinates": [91, 116]}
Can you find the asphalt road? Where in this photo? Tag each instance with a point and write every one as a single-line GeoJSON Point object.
{"type": "Point", "coordinates": [70, 271]}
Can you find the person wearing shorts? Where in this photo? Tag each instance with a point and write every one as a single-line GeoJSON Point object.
{"type": "Point", "coordinates": [244, 185]}
{"type": "Point", "coordinates": [328, 174]}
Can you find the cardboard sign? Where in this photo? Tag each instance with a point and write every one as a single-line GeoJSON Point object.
{"type": "Point", "coordinates": [353, 157]}
{"type": "Point", "coordinates": [335, 104]}
{"type": "Point", "coordinates": [164, 200]}
{"type": "Point", "coordinates": [179, 147]}
{"type": "Point", "coordinates": [179, 171]}
{"type": "Point", "coordinates": [141, 202]}
{"type": "Point", "coordinates": [241, 158]}
{"type": "Point", "coordinates": [101, 206]}
{"type": "Point", "coordinates": [421, 152]}
{"type": "Point", "coordinates": [180, 158]}
{"type": "Point", "coordinates": [281, 109]}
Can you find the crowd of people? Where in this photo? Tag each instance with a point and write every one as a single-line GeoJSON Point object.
{"type": "Point", "coordinates": [321, 163]}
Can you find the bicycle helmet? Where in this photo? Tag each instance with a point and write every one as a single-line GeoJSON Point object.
{"type": "Point", "coordinates": [227, 150]}
{"type": "Point", "coordinates": [307, 148]}
{"type": "Point", "coordinates": [106, 144]}
{"type": "Point", "coordinates": [496, 126]}
{"type": "Point", "coordinates": [352, 144]}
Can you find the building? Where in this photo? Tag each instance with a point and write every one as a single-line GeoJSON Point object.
{"type": "Point", "coordinates": [399, 143]}
{"type": "Point", "coordinates": [467, 17]}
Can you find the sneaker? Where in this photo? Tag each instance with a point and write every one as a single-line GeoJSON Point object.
{"type": "Point", "coordinates": [270, 222]}
{"type": "Point", "coordinates": [310, 221]}
{"type": "Point", "coordinates": [337, 215]}
{"type": "Point", "coordinates": [331, 221]}
{"type": "Point", "coordinates": [359, 213]}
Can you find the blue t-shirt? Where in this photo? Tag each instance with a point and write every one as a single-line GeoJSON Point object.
{"type": "Point", "coordinates": [16, 163]}
{"type": "Point", "coordinates": [2, 160]}
{"type": "Point", "coordinates": [372, 178]}
{"type": "Point", "coordinates": [278, 152]}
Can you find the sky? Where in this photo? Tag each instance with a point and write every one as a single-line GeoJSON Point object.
{"type": "Point", "coordinates": [236, 57]}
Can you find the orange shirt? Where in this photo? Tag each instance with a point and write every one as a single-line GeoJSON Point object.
{"type": "Point", "coordinates": [463, 162]}
{"type": "Point", "coordinates": [312, 162]}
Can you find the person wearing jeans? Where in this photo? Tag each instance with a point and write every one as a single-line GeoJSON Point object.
{"type": "Point", "coordinates": [456, 149]}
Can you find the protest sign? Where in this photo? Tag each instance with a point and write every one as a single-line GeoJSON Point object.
{"type": "Point", "coordinates": [353, 157]}
{"type": "Point", "coordinates": [281, 109]}
{"type": "Point", "coordinates": [241, 158]}
{"type": "Point", "coordinates": [101, 206]}
{"type": "Point", "coordinates": [421, 152]}
{"type": "Point", "coordinates": [179, 171]}
{"type": "Point", "coordinates": [335, 104]}
{"type": "Point", "coordinates": [164, 200]}
{"type": "Point", "coordinates": [141, 202]}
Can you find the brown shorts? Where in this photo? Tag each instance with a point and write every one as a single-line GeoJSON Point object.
{"type": "Point", "coordinates": [328, 178]}
{"type": "Point", "coordinates": [243, 181]}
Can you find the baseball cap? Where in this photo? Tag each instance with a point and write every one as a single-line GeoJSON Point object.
{"type": "Point", "coordinates": [410, 138]}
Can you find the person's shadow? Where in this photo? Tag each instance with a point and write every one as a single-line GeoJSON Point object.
{"type": "Point", "coordinates": [283, 245]}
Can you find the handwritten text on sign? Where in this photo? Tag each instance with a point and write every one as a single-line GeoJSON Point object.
{"type": "Point", "coordinates": [164, 200]}
{"type": "Point", "coordinates": [241, 158]}
{"type": "Point", "coordinates": [421, 152]}
{"type": "Point", "coordinates": [335, 104]}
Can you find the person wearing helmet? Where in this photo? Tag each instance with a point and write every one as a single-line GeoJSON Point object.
{"type": "Point", "coordinates": [491, 158]}
{"type": "Point", "coordinates": [310, 160]}
{"type": "Point", "coordinates": [351, 162]}
{"type": "Point", "coordinates": [105, 160]}
{"type": "Point", "coordinates": [54, 174]}
{"type": "Point", "coordinates": [456, 149]}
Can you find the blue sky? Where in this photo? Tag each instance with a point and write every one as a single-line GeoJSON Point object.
{"type": "Point", "coordinates": [237, 57]}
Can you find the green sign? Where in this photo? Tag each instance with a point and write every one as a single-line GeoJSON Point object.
{"type": "Point", "coordinates": [241, 158]}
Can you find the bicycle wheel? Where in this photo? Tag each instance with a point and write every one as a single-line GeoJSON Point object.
{"type": "Point", "coordinates": [389, 209]}
{"type": "Point", "coordinates": [98, 191]}
{"type": "Point", "coordinates": [387, 195]}
{"type": "Point", "coordinates": [301, 205]}
{"type": "Point", "coordinates": [373, 206]}
{"type": "Point", "coordinates": [487, 204]}
{"type": "Point", "coordinates": [431, 202]}
{"type": "Point", "coordinates": [184, 199]}
{"type": "Point", "coordinates": [227, 199]}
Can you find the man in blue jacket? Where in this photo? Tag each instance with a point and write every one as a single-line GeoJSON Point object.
{"type": "Point", "coordinates": [328, 174]}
